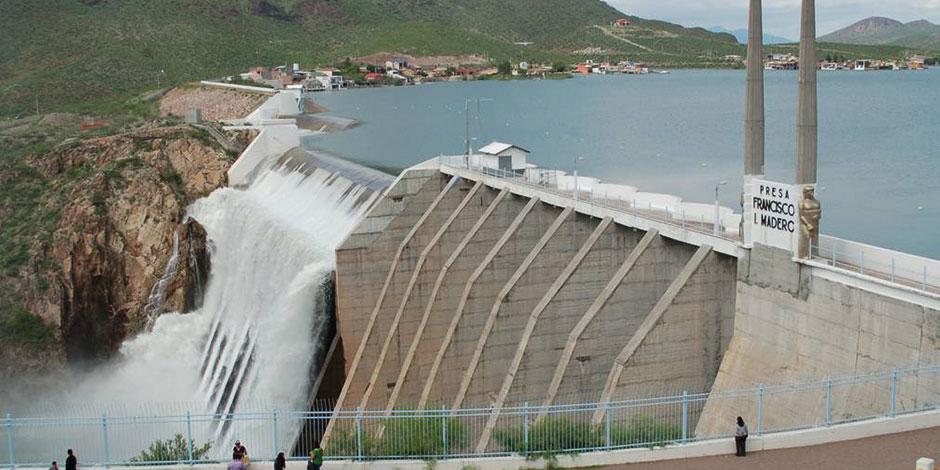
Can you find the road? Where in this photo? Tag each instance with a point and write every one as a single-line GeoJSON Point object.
{"type": "Point", "coordinates": [891, 452]}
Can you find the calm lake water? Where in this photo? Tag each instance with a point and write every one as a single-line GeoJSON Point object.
{"type": "Point", "coordinates": [879, 137]}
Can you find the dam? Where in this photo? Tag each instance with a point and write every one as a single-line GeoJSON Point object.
{"type": "Point", "coordinates": [480, 305]}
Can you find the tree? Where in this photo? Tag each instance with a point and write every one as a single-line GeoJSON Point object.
{"type": "Point", "coordinates": [559, 67]}
{"type": "Point", "coordinates": [504, 68]}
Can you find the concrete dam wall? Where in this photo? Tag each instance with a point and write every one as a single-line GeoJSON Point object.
{"type": "Point", "coordinates": [453, 293]}
{"type": "Point", "coordinates": [796, 322]}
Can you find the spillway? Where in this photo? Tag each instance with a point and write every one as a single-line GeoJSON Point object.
{"type": "Point", "coordinates": [252, 344]}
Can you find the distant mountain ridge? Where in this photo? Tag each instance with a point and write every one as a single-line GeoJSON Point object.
{"type": "Point", "coordinates": [880, 31]}
{"type": "Point", "coordinates": [742, 36]}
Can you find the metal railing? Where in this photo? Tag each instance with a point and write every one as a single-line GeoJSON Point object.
{"type": "Point", "coordinates": [441, 433]}
{"type": "Point", "coordinates": [547, 180]}
{"type": "Point", "coordinates": [911, 271]}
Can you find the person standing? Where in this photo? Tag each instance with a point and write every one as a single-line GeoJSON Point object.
{"type": "Point", "coordinates": [740, 438]}
{"type": "Point", "coordinates": [55, 465]}
{"type": "Point", "coordinates": [316, 458]}
{"type": "Point", "coordinates": [71, 462]}
{"type": "Point", "coordinates": [280, 463]}
{"type": "Point", "coordinates": [239, 452]}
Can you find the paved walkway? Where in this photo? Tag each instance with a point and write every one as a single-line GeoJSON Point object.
{"type": "Point", "coordinates": [891, 452]}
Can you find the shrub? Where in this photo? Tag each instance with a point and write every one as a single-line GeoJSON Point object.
{"type": "Point", "coordinates": [565, 435]}
{"type": "Point", "coordinates": [419, 436]}
{"type": "Point", "coordinates": [404, 436]}
{"type": "Point", "coordinates": [646, 431]}
{"type": "Point", "coordinates": [551, 435]}
{"type": "Point", "coordinates": [172, 450]}
{"type": "Point", "coordinates": [21, 328]}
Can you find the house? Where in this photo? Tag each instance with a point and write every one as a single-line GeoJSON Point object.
{"type": "Point", "coordinates": [503, 157]}
{"type": "Point", "coordinates": [917, 62]}
{"type": "Point", "coordinates": [583, 68]}
{"type": "Point", "coordinates": [373, 77]}
{"type": "Point", "coordinates": [622, 23]}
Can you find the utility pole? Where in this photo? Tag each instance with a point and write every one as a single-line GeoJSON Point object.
{"type": "Point", "coordinates": [467, 134]}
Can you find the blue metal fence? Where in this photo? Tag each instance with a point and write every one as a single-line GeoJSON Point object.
{"type": "Point", "coordinates": [129, 438]}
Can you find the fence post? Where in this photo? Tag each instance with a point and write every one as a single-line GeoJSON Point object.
{"type": "Point", "coordinates": [525, 428]}
{"type": "Point", "coordinates": [10, 440]}
{"type": "Point", "coordinates": [444, 427]}
{"type": "Point", "coordinates": [760, 409]}
{"type": "Point", "coordinates": [894, 392]}
{"type": "Point", "coordinates": [359, 433]}
{"type": "Point", "coordinates": [892, 269]}
{"type": "Point", "coordinates": [685, 416]}
{"type": "Point", "coordinates": [828, 400]}
{"type": "Point", "coordinates": [104, 433]}
{"type": "Point", "coordinates": [277, 444]}
{"type": "Point", "coordinates": [189, 436]}
{"type": "Point", "coordinates": [833, 255]}
{"type": "Point", "coordinates": [607, 419]}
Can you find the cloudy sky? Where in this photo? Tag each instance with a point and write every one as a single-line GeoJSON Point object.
{"type": "Point", "coordinates": [781, 17]}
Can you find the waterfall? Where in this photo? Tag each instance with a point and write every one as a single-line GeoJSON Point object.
{"type": "Point", "coordinates": [157, 299]}
{"type": "Point", "coordinates": [250, 346]}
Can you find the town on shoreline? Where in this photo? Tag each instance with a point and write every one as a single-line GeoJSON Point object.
{"type": "Point", "coordinates": [400, 69]}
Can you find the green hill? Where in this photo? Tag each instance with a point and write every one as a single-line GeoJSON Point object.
{"type": "Point", "coordinates": [92, 55]}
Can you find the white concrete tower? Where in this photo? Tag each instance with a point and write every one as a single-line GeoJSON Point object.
{"type": "Point", "coordinates": [806, 137]}
{"type": "Point", "coordinates": [754, 110]}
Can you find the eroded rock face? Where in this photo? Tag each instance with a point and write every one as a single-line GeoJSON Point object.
{"type": "Point", "coordinates": [185, 290]}
{"type": "Point", "coordinates": [120, 200]}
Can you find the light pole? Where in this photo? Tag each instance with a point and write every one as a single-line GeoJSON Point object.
{"type": "Point", "coordinates": [718, 209]}
{"type": "Point", "coordinates": [576, 178]}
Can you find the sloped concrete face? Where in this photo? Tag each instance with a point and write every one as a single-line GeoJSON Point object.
{"type": "Point", "coordinates": [562, 314]}
{"type": "Point", "coordinates": [483, 294]}
{"type": "Point", "coordinates": [610, 330]}
{"type": "Point", "coordinates": [796, 326]}
{"type": "Point", "coordinates": [366, 254]}
{"type": "Point", "coordinates": [447, 300]}
{"type": "Point", "coordinates": [684, 350]}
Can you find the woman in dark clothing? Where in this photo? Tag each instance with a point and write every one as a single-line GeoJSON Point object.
{"type": "Point", "coordinates": [280, 463]}
{"type": "Point", "coordinates": [740, 438]}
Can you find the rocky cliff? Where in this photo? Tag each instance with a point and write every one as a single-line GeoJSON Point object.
{"type": "Point", "coordinates": [95, 223]}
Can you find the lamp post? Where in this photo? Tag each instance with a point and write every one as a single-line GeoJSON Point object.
{"type": "Point", "coordinates": [576, 160]}
{"type": "Point", "coordinates": [718, 209]}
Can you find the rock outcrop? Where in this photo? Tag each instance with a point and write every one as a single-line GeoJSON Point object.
{"type": "Point", "coordinates": [117, 204]}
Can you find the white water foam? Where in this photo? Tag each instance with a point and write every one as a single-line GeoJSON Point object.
{"type": "Point", "coordinates": [249, 347]}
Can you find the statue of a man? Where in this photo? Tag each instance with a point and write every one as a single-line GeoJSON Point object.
{"type": "Point", "coordinates": [810, 213]}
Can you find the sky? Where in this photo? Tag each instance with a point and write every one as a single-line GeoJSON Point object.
{"type": "Point", "coordinates": [781, 17]}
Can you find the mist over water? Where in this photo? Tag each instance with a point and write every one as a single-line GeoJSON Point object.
{"type": "Point", "coordinates": [247, 349]}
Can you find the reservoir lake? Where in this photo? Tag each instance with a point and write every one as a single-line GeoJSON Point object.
{"type": "Point", "coordinates": [682, 133]}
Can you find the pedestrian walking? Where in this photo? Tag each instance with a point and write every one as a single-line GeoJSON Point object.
{"type": "Point", "coordinates": [740, 438]}
{"type": "Point", "coordinates": [316, 458]}
{"type": "Point", "coordinates": [280, 463]}
{"type": "Point", "coordinates": [71, 462]}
